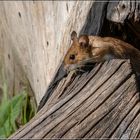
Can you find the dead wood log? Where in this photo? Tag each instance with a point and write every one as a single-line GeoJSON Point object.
{"type": "Point", "coordinates": [125, 17]}
{"type": "Point", "coordinates": [102, 103]}
{"type": "Point", "coordinates": [120, 11]}
{"type": "Point", "coordinates": [72, 111]}
{"type": "Point", "coordinates": [33, 37]}
{"type": "Point", "coordinates": [99, 13]}
{"type": "Point", "coordinates": [41, 30]}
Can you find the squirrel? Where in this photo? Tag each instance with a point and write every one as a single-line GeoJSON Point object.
{"type": "Point", "coordinates": [98, 49]}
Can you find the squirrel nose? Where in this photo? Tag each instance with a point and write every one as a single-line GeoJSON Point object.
{"type": "Point", "coordinates": [70, 67]}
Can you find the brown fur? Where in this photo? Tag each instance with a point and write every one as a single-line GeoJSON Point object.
{"type": "Point", "coordinates": [98, 49]}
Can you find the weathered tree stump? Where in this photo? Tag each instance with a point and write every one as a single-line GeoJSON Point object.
{"type": "Point", "coordinates": [41, 31]}
{"type": "Point", "coordinates": [101, 103]}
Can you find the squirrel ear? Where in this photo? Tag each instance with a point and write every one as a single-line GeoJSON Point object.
{"type": "Point", "coordinates": [84, 40]}
{"type": "Point", "coordinates": [73, 35]}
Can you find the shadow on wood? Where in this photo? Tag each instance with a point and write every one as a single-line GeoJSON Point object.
{"type": "Point", "coordinates": [102, 103]}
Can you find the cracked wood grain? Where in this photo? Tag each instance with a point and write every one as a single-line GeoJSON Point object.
{"type": "Point", "coordinates": [101, 103]}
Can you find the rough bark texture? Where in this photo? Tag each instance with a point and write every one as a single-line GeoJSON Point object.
{"type": "Point", "coordinates": [102, 103]}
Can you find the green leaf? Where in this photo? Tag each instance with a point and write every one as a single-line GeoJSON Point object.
{"type": "Point", "coordinates": [2, 133]}
{"type": "Point", "coordinates": [4, 117]}
{"type": "Point", "coordinates": [18, 107]}
{"type": "Point", "coordinates": [4, 112]}
{"type": "Point", "coordinates": [9, 111]}
{"type": "Point", "coordinates": [17, 103]}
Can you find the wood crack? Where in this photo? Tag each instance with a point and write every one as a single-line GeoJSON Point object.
{"type": "Point", "coordinates": [94, 104]}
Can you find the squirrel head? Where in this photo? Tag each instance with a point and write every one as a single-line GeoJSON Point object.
{"type": "Point", "coordinates": [78, 53]}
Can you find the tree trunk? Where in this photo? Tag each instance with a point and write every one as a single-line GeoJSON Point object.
{"type": "Point", "coordinates": [34, 33]}
{"type": "Point", "coordinates": [34, 37]}
{"type": "Point", "coordinates": [102, 103]}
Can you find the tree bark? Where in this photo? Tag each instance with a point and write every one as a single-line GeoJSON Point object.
{"type": "Point", "coordinates": [102, 103]}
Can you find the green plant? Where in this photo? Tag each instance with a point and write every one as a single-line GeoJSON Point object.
{"type": "Point", "coordinates": [14, 112]}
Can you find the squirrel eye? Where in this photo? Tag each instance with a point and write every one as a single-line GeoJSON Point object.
{"type": "Point", "coordinates": [72, 57]}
